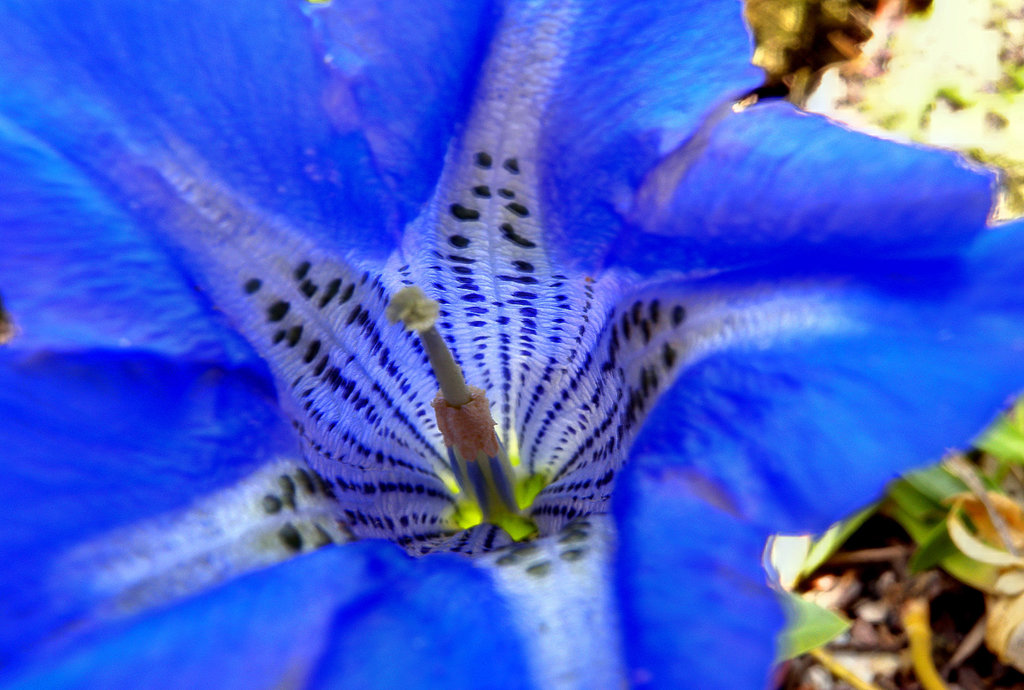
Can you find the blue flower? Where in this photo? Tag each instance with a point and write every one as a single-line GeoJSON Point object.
{"type": "Point", "coordinates": [205, 210]}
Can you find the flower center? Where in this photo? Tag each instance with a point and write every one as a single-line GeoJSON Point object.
{"type": "Point", "coordinates": [477, 457]}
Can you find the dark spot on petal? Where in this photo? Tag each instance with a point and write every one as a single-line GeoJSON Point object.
{"type": "Point", "coordinates": [305, 481]}
{"type": "Point", "coordinates": [290, 537]}
{"type": "Point", "coordinates": [524, 266]}
{"type": "Point", "coordinates": [523, 280]}
{"type": "Point", "coordinates": [294, 334]}
{"type": "Point", "coordinates": [668, 356]}
{"type": "Point", "coordinates": [277, 310]}
{"type": "Point", "coordinates": [252, 285]}
{"type": "Point", "coordinates": [459, 241]}
{"type": "Point", "coordinates": [507, 193]}
{"type": "Point", "coordinates": [320, 366]}
{"type": "Point", "coordinates": [311, 351]}
{"type": "Point", "coordinates": [463, 213]}
{"type": "Point", "coordinates": [353, 315]}
{"type": "Point", "coordinates": [346, 293]}
{"type": "Point", "coordinates": [573, 536]}
{"type": "Point", "coordinates": [482, 191]}
{"type": "Point", "coordinates": [287, 490]}
{"type": "Point", "coordinates": [655, 311]}
{"type": "Point", "coordinates": [518, 209]}
{"type": "Point", "coordinates": [510, 234]}
{"type": "Point", "coordinates": [512, 165]}
{"type": "Point", "coordinates": [271, 504]}
{"type": "Point", "coordinates": [539, 569]}
{"type": "Point", "coordinates": [330, 291]}
{"type": "Point", "coordinates": [484, 160]}
{"type": "Point", "coordinates": [301, 270]}
{"type": "Point", "coordinates": [678, 315]}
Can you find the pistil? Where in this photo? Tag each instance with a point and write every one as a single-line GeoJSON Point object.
{"type": "Point", "coordinates": [477, 457]}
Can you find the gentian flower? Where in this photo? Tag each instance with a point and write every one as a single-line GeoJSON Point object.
{"type": "Point", "coordinates": [692, 324]}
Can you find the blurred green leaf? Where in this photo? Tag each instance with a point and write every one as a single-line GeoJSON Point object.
{"type": "Point", "coordinates": [822, 549]}
{"type": "Point", "coordinates": [809, 626]}
{"type": "Point", "coordinates": [935, 483]}
{"type": "Point", "coordinates": [925, 531]}
{"type": "Point", "coordinates": [1005, 441]}
{"type": "Point", "coordinates": [909, 502]}
{"type": "Point", "coordinates": [933, 548]}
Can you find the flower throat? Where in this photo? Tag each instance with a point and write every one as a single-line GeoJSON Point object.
{"type": "Point", "coordinates": [479, 461]}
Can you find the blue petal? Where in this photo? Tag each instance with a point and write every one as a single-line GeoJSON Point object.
{"type": "Point", "coordinates": [254, 632]}
{"type": "Point", "coordinates": [697, 612]}
{"type": "Point", "coordinates": [442, 625]}
{"type": "Point", "coordinates": [78, 273]}
{"type": "Point", "coordinates": [290, 105]}
{"type": "Point", "coordinates": [407, 77]}
{"type": "Point", "coordinates": [771, 182]}
{"type": "Point", "coordinates": [876, 375]}
{"type": "Point", "coordinates": [639, 78]}
{"type": "Point", "coordinates": [93, 442]}
{"type": "Point", "coordinates": [363, 614]}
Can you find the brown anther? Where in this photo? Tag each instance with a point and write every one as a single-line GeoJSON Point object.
{"type": "Point", "coordinates": [469, 428]}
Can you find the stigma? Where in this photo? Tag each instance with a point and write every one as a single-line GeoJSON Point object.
{"type": "Point", "coordinates": [477, 457]}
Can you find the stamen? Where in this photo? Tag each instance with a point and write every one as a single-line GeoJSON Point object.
{"type": "Point", "coordinates": [419, 313]}
{"type": "Point", "coordinates": [478, 458]}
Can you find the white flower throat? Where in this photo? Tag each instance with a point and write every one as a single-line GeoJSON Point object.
{"type": "Point", "coordinates": [565, 373]}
